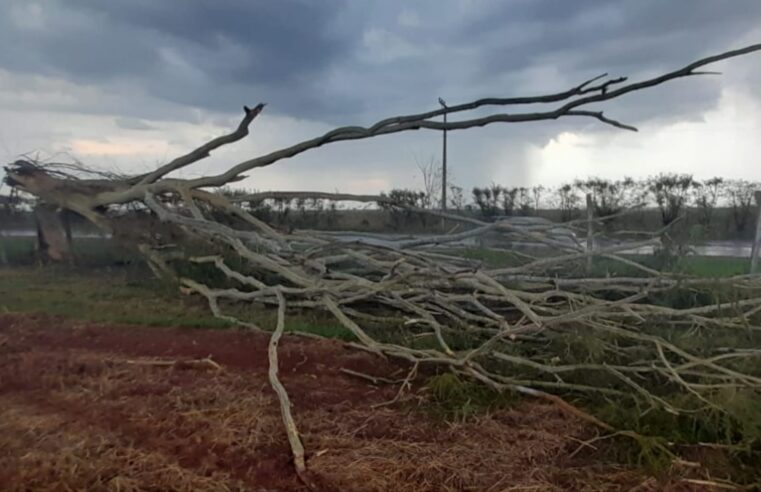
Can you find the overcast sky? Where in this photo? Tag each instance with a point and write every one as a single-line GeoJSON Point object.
{"type": "Point", "coordinates": [129, 84]}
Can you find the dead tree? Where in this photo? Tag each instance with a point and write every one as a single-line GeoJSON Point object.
{"type": "Point", "coordinates": [501, 326]}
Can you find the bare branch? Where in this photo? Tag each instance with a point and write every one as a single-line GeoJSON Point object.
{"type": "Point", "coordinates": [285, 403]}
{"type": "Point", "coordinates": [600, 116]}
{"type": "Point", "coordinates": [205, 150]}
{"type": "Point", "coordinates": [317, 195]}
{"type": "Point", "coordinates": [416, 122]}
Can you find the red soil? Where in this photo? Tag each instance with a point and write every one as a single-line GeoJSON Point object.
{"type": "Point", "coordinates": [82, 406]}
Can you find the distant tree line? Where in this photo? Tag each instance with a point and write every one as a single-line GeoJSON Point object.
{"type": "Point", "coordinates": [298, 212]}
{"type": "Point", "coordinates": [672, 195]}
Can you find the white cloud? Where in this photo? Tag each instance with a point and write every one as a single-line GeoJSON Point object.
{"type": "Point", "coordinates": [724, 143]}
{"type": "Point", "coordinates": [128, 147]}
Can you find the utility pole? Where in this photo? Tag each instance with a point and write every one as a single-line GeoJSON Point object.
{"type": "Point", "coordinates": [444, 161]}
{"type": "Point", "coordinates": [757, 240]}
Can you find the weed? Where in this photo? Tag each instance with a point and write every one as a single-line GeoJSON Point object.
{"type": "Point", "coordinates": [455, 399]}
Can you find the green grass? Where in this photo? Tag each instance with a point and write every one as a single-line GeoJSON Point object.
{"type": "Point", "coordinates": [99, 292]}
{"type": "Point", "coordinates": [95, 290]}
{"type": "Point", "coordinates": [700, 266]}
{"type": "Point", "coordinates": [89, 251]}
{"type": "Point", "coordinates": [97, 252]}
{"type": "Point", "coordinates": [454, 399]}
{"type": "Point", "coordinates": [104, 296]}
{"type": "Point", "coordinates": [493, 258]}
{"type": "Point", "coordinates": [716, 266]}
{"type": "Point", "coordinates": [17, 250]}
{"type": "Point", "coordinates": [131, 296]}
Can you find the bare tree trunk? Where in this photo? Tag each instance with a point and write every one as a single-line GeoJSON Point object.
{"type": "Point", "coordinates": [65, 216]}
{"type": "Point", "coordinates": [53, 239]}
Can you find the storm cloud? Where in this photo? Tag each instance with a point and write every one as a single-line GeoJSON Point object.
{"type": "Point", "coordinates": [150, 68]}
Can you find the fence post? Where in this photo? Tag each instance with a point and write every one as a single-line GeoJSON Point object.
{"type": "Point", "coordinates": [757, 238]}
{"type": "Point", "coordinates": [590, 232]}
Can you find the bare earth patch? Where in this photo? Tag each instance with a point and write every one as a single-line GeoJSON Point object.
{"type": "Point", "coordinates": [84, 406]}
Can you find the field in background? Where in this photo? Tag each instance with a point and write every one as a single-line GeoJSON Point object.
{"type": "Point", "coordinates": [93, 252]}
{"type": "Point", "coordinates": [701, 266]}
{"type": "Point", "coordinates": [723, 225]}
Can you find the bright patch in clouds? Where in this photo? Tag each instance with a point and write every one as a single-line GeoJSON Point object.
{"type": "Point", "coordinates": [121, 147]}
{"type": "Point", "coordinates": [725, 143]}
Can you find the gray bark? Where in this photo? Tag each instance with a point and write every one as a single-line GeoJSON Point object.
{"type": "Point", "coordinates": [53, 237]}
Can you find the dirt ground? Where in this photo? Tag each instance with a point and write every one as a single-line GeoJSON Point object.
{"type": "Point", "coordinates": [86, 407]}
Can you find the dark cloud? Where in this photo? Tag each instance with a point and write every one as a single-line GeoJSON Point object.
{"type": "Point", "coordinates": [215, 55]}
{"type": "Point", "coordinates": [352, 62]}
{"type": "Point", "coordinates": [49, 38]}
{"type": "Point", "coordinates": [625, 35]}
{"type": "Point", "coordinates": [277, 42]}
{"type": "Point", "coordinates": [635, 38]}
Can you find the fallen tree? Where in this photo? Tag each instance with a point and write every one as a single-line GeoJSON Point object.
{"type": "Point", "coordinates": [535, 327]}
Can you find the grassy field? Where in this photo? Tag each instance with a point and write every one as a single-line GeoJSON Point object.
{"type": "Point", "coordinates": [97, 290]}
{"type": "Point", "coordinates": [723, 226]}
{"type": "Point", "coordinates": [89, 251]}
{"type": "Point", "coordinates": [130, 296]}
{"type": "Point", "coordinates": [701, 266]}
{"type": "Point", "coordinates": [98, 252]}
